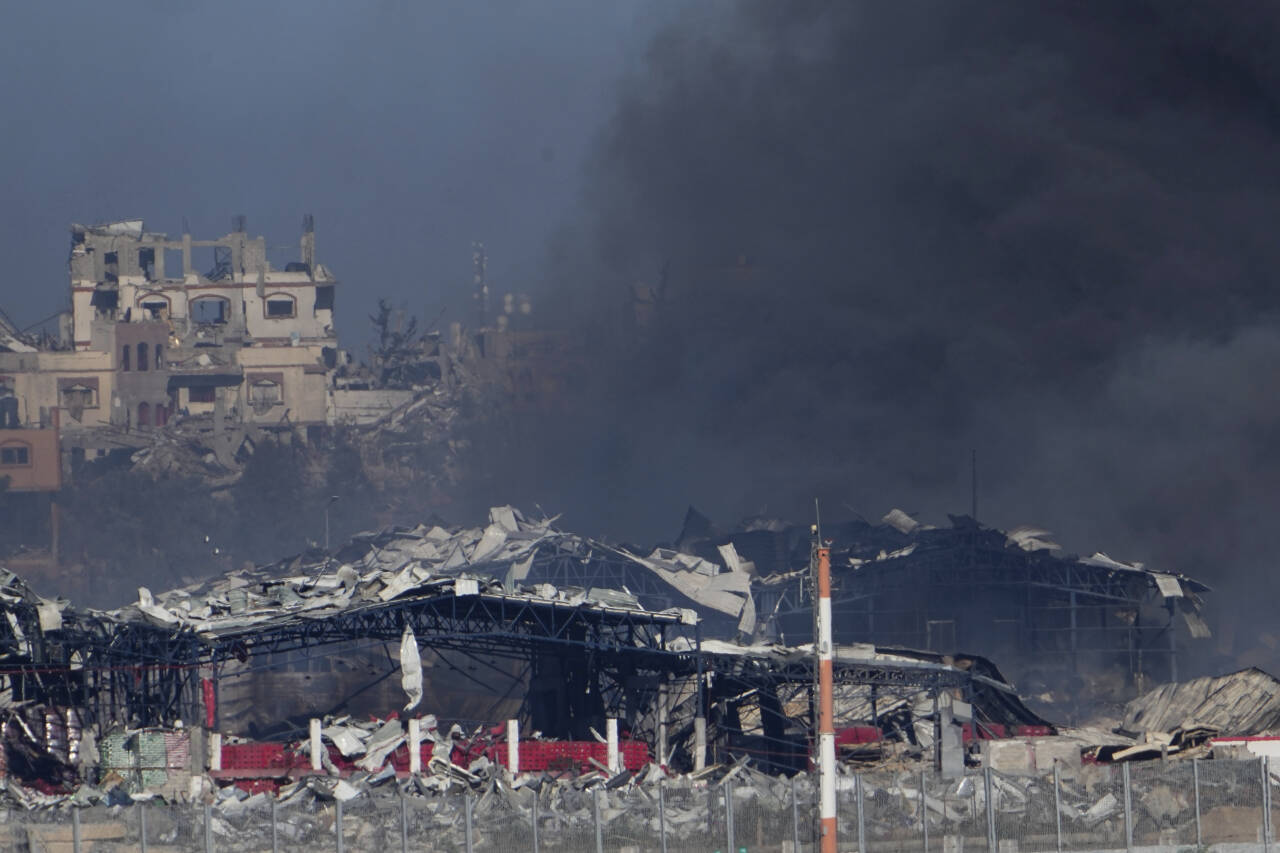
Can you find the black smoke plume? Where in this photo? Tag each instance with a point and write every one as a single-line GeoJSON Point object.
{"type": "Point", "coordinates": [877, 236]}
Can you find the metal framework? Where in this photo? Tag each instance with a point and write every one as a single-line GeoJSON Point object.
{"type": "Point", "coordinates": [968, 595]}
{"type": "Point", "coordinates": [597, 660]}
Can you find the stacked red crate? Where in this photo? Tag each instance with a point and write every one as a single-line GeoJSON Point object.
{"type": "Point", "coordinates": [253, 756]}
{"type": "Point", "coordinates": [539, 756]}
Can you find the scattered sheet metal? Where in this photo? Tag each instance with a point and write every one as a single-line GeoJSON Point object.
{"type": "Point", "coordinates": [410, 668]}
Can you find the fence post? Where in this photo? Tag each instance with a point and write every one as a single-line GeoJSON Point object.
{"type": "Point", "coordinates": [728, 815]}
{"type": "Point", "coordinates": [317, 748]}
{"type": "Point", "coordinates": [75, 828]}
{"type": "Point", "coordinates": [924, 813]}
{"type": "Point", "coordinates": [973, 804]}
{"type": "Point", "coordinates": [595, 810]}
{"type": "Point", "coordinates": [466, 807]}
{"type": "Point", "coordinates": [142, 827]}
{"type": "Point", "coordinates": [662, 814]}
{"type": "Point", "coordinates": [275, 834]}
{"type": "Point", "coordinates": [337, 824]}
{"type": "Point", "coordinates": [404, 826]}
{"type": "Point", "coordinates": [991, 810]}
{"type": "Point", "coordinates": [535, 821]}
{"type": "Point", "coordinates": [795, 818]}
{"type": "Point", "coordinates": [1128, 808]}
{"type": "Point", "coordinates": [1195, 784]}
{"type": "Point", "coordinates": [862, 824]}
{"type": "Point", "coordinates": [208, 828]}
{"type": "Point", "coordinates": [1057, 806]}
{"type": "Point", "coordinates": [1264, 766]}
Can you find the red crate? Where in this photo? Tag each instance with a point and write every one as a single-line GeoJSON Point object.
{"type": "Point", "coordinates": [253, 756]}
{"type": "Point", "coordinates": [570, 755]}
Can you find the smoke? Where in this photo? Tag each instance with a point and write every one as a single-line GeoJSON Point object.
{"type": "Point", "coordinates": [1041, 231]}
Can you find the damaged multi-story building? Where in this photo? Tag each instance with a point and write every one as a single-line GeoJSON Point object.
{"type": "Point", "coordinates": [159, 326]}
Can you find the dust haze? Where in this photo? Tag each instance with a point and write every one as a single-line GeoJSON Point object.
{"type": "Point", "coordinates": [890, 234]}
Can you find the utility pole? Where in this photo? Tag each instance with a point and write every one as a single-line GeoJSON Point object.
{"type": "Point", "coordinates": [826, 710]}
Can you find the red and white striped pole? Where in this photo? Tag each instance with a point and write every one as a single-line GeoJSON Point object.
{"type": "Point", "coordinates": [826, 710]}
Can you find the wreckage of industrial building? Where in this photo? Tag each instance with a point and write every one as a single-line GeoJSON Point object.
{"type": "Point", "coordinates": [681, 654]}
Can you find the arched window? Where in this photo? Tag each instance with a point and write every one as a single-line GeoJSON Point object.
{"type": "Point", "coordinates": [162, 415]}
{"type": "Point", "coordinates": [159, 357]}
{"type": "Point", "coordinates": [142, 356]}
{"type": "Point", "coordinates": [144, 415]}
{"type": "Point", "coordinates": [153, 306]}
{"type": "Point", "coordinates": [124, 357]}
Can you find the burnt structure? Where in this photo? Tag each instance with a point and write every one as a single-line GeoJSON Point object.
{"type": "Point", "coordinates": [577, 655]}
{"type": "Point", "coordinates": [1011, 596]}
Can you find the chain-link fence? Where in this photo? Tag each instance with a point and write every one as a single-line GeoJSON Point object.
{"type": "Point", "coordinates": [1176, 806]}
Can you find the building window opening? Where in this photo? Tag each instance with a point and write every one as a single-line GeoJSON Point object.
{"type": "Point", "coordinates": [147, 262]}
{"type": "Point", "coordinates": [159, 357]}
{"type": "Point", "coordinates": [124, 357]}
{"type": "Point", "coordinates": [264, 394]}
{"type": "Point", "coordinates": [156, 309]}
{"type": "Point", "coordinates": [15, 455]}
{"type": "Point", "coordinates": [77, 396]}
{"type": "Point", "coordinates": [105, 302]}
{"type": "Point", "coordinates": [209, 311]}
{"type": "Point", "coordinates": [280, 307]}
{"type": "Point", "coordinates": [162, 415]}
{"type": "Point", "coordinates": [207, 394]}
{"type": "Point", "coordinates": [142, 357]}
{"type": "Point", "coordinates": [324, 297]}
{"type": "Point", "coordinates": [144, 415]}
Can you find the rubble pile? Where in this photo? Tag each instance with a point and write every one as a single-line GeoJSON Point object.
{"type": "Point", "coordinates": [378, 568]}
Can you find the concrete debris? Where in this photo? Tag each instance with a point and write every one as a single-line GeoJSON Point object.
{"type": "Point", "coordinates": [1240, 704]}
{"type": "Point", "coordinates": [425, 560]}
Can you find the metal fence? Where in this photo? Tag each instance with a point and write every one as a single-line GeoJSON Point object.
{"type": "Point", "coordinates": [1175, 806]}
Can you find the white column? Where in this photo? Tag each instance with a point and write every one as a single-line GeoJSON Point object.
{"type": "Point", "coordinates": [699, 743]}
{"type": "Point", "coordinates": [611, 738]}
{"type": "Point", "coordinates": [316, 762]}
{"type": "Point", "coordinates": [513, 747]}
{"type": "Point", "coordinates": [215, 751]}
{"type": "Point", "coordinates": [415, 745]}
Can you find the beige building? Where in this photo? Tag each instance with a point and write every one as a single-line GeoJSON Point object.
{"type": "Point", "coordinates": [160, 327]}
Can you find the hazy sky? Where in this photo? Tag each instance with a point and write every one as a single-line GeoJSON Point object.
{"type": "Point", "coordinates": [1042, 230]}
{"type": "Point", "coordinates": [409, 129]}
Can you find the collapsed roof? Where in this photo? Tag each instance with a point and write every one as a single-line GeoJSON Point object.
{"type": "Point", "coordinates": [1241, 703]}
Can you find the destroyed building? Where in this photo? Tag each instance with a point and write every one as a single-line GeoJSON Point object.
{"type": "Point", "coordinates": [159, 327]}
{"type": "Point", "coordinates": [476, 605]}
{"type": "Point", "coordinates": [1067, 629]}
